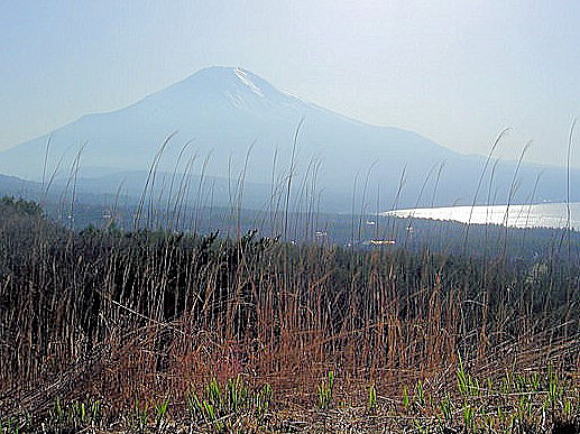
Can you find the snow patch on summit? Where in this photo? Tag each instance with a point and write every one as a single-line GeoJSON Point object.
{"type": "Point", "coordinates": [243, 77]}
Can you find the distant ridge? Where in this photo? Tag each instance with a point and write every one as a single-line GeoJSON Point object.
{"type": "Point", "coordinates": [220, 113]}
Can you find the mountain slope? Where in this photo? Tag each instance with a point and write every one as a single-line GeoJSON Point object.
{"type": "Point", "coordinates": [11, 185]}
{"type": "Point", "coordinates": [235, 120]}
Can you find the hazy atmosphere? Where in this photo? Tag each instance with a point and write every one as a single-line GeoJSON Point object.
{"type": "Point", "coordinates": [267, 217]}
{"type": "Point", "coordinates": [456, 72]}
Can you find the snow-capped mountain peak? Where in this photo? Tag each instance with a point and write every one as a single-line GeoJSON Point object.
{"type": "Point", "coordinates": [224, 110]}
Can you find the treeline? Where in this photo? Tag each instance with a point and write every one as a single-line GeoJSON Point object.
{"type": "Point", "coordinates": [357, 231]}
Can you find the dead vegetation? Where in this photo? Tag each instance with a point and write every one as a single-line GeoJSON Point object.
{"type": "Point", "coordinates": [153, 331]}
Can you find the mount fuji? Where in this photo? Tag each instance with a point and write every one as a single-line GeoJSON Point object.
{"type": "Point", "coordinates": [224, 122]}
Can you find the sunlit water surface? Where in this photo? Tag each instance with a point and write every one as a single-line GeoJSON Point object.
{"type": "Point", "coordinates": [552, 215]}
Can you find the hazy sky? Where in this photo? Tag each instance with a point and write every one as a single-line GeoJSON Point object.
{"type": "Point", "coordinates": [455, 71]}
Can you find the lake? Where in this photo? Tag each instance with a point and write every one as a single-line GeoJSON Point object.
{"type": "Point", "coordinates": [552, 215]}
